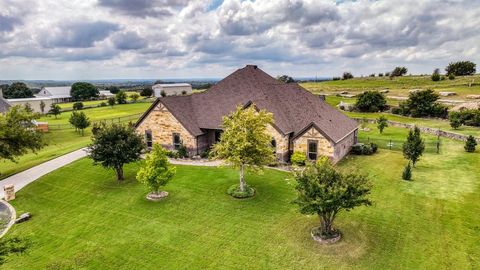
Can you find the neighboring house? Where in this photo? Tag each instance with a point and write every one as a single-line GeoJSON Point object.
{"type": "Point", "coordinates": [4, 105]}
{"type": "Point", "coordinates": [59, 94]}
{"type": "Point", "coordinates": [35, 103]}
{"type": "Point", "coordinates": [172, 89]}
{"type": "Point", "coordinates": [303, 121]}
{"type": "Point", "coordinates": [105, 94]}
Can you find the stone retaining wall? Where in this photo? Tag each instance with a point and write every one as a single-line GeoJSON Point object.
{"type": "Point", "coordinates": [428, 130]}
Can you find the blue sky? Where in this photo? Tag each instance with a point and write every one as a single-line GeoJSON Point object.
{"type": "Point", "coordinates": [111, 39]}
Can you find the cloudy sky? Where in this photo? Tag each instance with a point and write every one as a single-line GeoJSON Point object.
{"type": "Point", "coordinates": [109, 39]}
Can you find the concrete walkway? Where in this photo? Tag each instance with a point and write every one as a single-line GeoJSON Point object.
{"type": "Point", "coordinates": [24, 178]}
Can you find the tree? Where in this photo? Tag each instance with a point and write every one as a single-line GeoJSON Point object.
{"type": "Point", "coordinates": [55, 110]}
{"type": "Point", "coordinates": [78, 105]}
{"type": "Point", "coordinates": [42, 106]}
{"type": "Point", "coordinates": [461, 68]}
{"type": "Point", "coordinates": [455, 120]}
{"type": "Point", "coordinates": [423, 103]}
{"type": "Point", "coordinates": [10, 246]}
{"type": "Point", "coordinates": [382, 123]}
{"type": "Point", "coordinates": [398, 72]}
{"type": "Point", "coordinates": [147, 91]}
{"type": "Point", "coordinates": [79, 120]}
{"type": "Point", "coordinates": [407, 172]}
{"type": "Point", "coordinates": [470, 144]}
{"type": "Point", "coordinates": [414, 146]}
{"type": "Point", "coordinates": [156, 172]}
{"type": "Point", "coordinates": [113, 89]}
{"type": "Point", "coordinates": [134, 97]}
{"type": "Point", "coordinates": [18, 134]}
{"type": "Point", "coordinates": [121, 97]}
{"type": "Point", "coordinates": [371, 101]}
{"type": "Point", "coordinates": [115, 145]}
{"type": "Point", "coordinates": [18, 90]}
{"type": "Point", "coordinates": [347, 75]}
{"type": "Point", "coordinates": [83, 91]}
{"type": "Point", "coordinates": [163, 93]}
{"type": "Point", "coordinates": [324, 191]}
{"type": "Point", "coordinates": [436, 75]}
{"type": "Point", "coordinates": [111, 101]}
{"type": "Point", "coordinates": [285, 79]}
{"type": "Point", "coordinates": [245, 142]}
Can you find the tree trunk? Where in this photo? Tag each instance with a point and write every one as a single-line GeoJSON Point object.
{"type": "Point", "coordinates": [325, 224]}
{"type": "Point", "coordinates": [119, 171]}
{"type": "Point", "coordinates": [242, 180]}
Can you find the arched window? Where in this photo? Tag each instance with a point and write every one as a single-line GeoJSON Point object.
{"type": "Point", "coordinates": [274, 145]}
{"type": "Point", "coordinates": [176, 141]}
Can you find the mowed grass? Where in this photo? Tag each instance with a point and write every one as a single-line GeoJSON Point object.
{"type": "Point", "coordinates": [65, 140]}
{"type": "Point", "coordinates": [424, 122]}
{"type": "Point", "coordinates": [100, 113]}
{"type": "Point", "coordinates": [399, 86]}
{"type": "Point", "coordinates": [83, 218]}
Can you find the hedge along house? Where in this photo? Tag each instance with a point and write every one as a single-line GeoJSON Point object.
{"type": "Point", "coordinates": [302, 121]}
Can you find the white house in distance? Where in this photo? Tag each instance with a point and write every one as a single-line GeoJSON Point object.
{"type": "Point", "coordinates": [58, 94]}
{"type": "Point", "coordinates": [105, 94]}
{"type": "Point", "coordinates": [35, 103]}
{"type": "Point", "coordinates": [171, 89]}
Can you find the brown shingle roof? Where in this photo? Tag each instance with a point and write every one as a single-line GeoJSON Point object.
{"type": "Point", "coordinates": [293, 107]}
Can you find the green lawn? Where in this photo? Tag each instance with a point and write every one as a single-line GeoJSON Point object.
{"type": "Point", "coordinates": [69, 105]}
{"type": "Point", "coordinates": [399, 86]}
{"type": "Point", "coordinates": [101, 113]}
{"type": "Point", "coordinates": [65, 140]}
{"type": "Point", "coordinates": [83, 219]}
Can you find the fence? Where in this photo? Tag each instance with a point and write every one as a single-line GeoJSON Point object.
{"type": "Point", "coordinates": [431, 146]}
{"type": "Point", "coordinates": [124, 119]}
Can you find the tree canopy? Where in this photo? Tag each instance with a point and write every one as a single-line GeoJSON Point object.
{"type": "Point", "coordinates": [79, 120]}
{"type": "Point", "coordinates": [115, 145]}
{"type": "Point", "coordinates": [245, 142]}
{"type": "Point", "coordinates": [371, 101]}
{"type": "Point", "coordinates": [55, 110]}
{"type": "Point", "coordinates": [285, 79]}
{"type": "Point", "coordinates": [147, 91]}
{"type": "Point", "coordinates": [18, 134]}
{"type": "Point", "coordinates": [156, 172]}
{"type": "Point", "coordinates": [121, 97]}
{"type": "Point", "coordinates": [461, 68]}
{"type": "Point", "coordinates": [324, 191]}
{"type": "Point", "coordinates": [398, 72]}
{"type": "Point", "coordinates": [423, 103]}
{"type": "Point", "coordinates": [83, 91]}
{"type": "Point", "coordinates": [414, 146]}
{"type": "Point", "coordinates": [17, 90]}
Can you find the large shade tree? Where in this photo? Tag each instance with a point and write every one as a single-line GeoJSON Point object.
{"type": "Point", "coordinates": [245, 142]}
{"type": "Point", "coordinates": [17, 90]}
{"type": "Point", "coordinates": [18, 134]}
{"type": "Point", "coordinates": [324, 191]}
{"type": "Point", "coordinates": [83, 91]}
{"type": "Point", "coordinates": [115, 145]}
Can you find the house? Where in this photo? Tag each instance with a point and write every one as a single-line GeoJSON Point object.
{"type": "Point", "coordinates": [59, 94]}
{"type": "Point", "coordinates": [34, 103]}
{"type": "Point", "coordinates": [171, 89]}
{"type": "Point", "coordinates": [104, 94]}
{"type": "Point", "coordinates": [304, 122]}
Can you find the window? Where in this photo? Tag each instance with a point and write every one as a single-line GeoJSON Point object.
{"type": "Point", "coordinates": [176, 141]}
{"type": "Point", "coordinates": [312, 150]}
{"type": "Point", "coordinates": [274, 145]}
{"type": "Point", "coordinates": [148, 138]}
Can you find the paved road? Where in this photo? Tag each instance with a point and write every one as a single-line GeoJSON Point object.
{"type": "Point", "coordinates": [24, 178]}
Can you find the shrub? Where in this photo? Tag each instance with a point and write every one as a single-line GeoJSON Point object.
{"type": "Point", "coordinates": [78, 105]}
{"type": "Point", "coordinates": [347, 75]}
{"type": "Point", "coordinates": [336, 78]}
{"type": "Point", "coordinates": [205, 154]}
{"type": "Point", "coordinates": [382, 123]}
{"type": "Point", "coordinates": [422, 104]}
{"type": "Point", "coordinates": [455, 120]}
{"type": "Point", "coordinates": [466, 117]}
{"type": "Point", "coordinates": [436, 75]}
{"type": "Point", "coordinates": [235, 191]}
{"type": "Point", "coordinates": [380, 74]}
{"type": "Point", "coordinates": [111, 101]}
{"type": "Point", "coordinates": [451, 76]}
{"type": "Point", "coordinates": [470, 144]}
{"type": "Point", "coordinates": [121, 97]}
{"type": "Point", "coordinates": [461, 68]}
{"type": "Point", "coordinates": [172, 154]}
{"type": "Point", "coordinates": [407, 172]}
{"type": "Point", "coordinates": [163, 93]}
{"type": "Point", "coordinates": [364, 149]}
{"type": "Point", "coordinates": [372, 75]}
{"type": "Point", "coordinates": [134, 97]}
{"type": "Point", "coordinates": [146, 91]}
{"type": "Point", "coordinates": [103, 104]}
{"type": "Point", "coordinates": [371, 101]}
{"type": "Point", "coordinates": [298, 158]}
{"type": "Point", "coordinates": [182, 151]}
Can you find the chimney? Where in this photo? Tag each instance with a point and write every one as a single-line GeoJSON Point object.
{"type": "Point", "coordinates": [322, 97]}
{"type": "Point", "coordinates": [252, 66]}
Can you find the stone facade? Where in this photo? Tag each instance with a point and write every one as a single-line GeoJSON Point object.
{"type": "Point", "coordinates": [163, 125]}
{"type": "Point", "coordinates": [325, 147]}
{"type": "Point", "coordinates": [281, 141]}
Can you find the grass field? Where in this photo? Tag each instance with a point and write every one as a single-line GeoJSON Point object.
{"type": "Point", "coordinates": [69, 105]}
{"type": "Point", "coordinates": [82, 218]}
{"type": "Point", "coordinates": [65, 140]}
{"type": "Point", "coordinates": [399, 86]}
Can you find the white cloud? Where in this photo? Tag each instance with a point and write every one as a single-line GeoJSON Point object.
{"type": "Point", "coordinates": [179, 38]}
